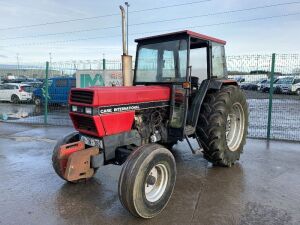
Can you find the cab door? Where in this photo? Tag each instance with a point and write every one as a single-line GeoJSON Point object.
{"type": "Point", "coordinates": [178, 111]}
{"type": "Point", "coordinates": [179, 98]}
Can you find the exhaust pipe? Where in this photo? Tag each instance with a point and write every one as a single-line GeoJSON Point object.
{"type": "Point", "coordinates": [126, 59]}
{"type": "Point", "coordinates": [124, 41]}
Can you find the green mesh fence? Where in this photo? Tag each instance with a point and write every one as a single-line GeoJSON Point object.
{"type": "Point", "coordinates": [252, 72]}
{"type": "Point", "coordinates": [286, 98]}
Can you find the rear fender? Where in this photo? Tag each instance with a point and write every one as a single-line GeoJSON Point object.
{"type": "Point", "coordinates": [205, 86]}
{"type": "Point", "coordinates": [218, 84]}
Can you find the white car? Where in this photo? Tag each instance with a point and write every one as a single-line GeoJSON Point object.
{"type": "Point", "coordinates": [14, 92]}
{"type": "Point", "coordinates": [295, 89]}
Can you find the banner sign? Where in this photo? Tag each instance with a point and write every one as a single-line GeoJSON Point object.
{"type": "Point", "coordinates": [88, 78]}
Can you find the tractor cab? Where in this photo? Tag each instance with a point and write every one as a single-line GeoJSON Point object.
{"type": "Point", "coordinates": [190, 63]}
{"type": "Point", "coordinates": [176, 57]}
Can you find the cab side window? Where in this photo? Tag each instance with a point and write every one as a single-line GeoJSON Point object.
{"type": "Point", "coordinates": [198, 61]}
{"type": "Point", "coordinates": [219, 69]}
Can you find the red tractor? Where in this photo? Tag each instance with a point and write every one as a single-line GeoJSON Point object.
{"type": "Point", "coordinates": [179, 91]}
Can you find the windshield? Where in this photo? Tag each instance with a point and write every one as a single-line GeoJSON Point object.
{"type": "Point", "coordinates": [287, 80]}
{"type": "Point", "coordinates": [162, 62]}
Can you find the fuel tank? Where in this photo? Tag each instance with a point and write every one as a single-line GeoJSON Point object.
{"type": "Point", "coordinates": [102, 111]}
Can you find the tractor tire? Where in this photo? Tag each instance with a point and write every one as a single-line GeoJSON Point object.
{"type": "Point", "coordinates": [147, 180]}
{"type": "Point", "coordinates": [15, 99]}
{"type": "Point", "coordinates": [72, 137]}
{"type": "Point", "coordinates": [222, 125]}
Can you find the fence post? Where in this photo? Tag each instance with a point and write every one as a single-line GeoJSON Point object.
{"type": "Point", "coordinates": [46, 94]}
{"type": "Point", "coordinates": [103, 62]}
{"type": "Point", "coordinates": [271, 97]}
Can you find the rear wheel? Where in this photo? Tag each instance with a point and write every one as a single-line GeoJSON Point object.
{"type": "Point", "coordinates": [222, 125]}
{"type": "Point", "coordinates": [15, 99]}
{"type": "Point", "coordinates": [37, 101]}
{"type": "Point", "coordinates": [147, 180]}
{"type": "Point", "coordinates": [298, 91]}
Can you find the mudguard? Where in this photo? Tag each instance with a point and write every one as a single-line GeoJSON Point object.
{"type": "Point", "coordinates": [201, 93]}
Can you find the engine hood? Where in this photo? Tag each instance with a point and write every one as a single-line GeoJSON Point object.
{"type": "Point", "coordinates": [111, 96]}
{"type": "Point", "coordinates": [113, 108]}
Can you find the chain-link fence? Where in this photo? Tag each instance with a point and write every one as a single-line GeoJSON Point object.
{"type": "Point", "coordinates": [23, 88]}
{"type": "Point", "coordinates": [23, 91]}
{"type": "Point", "coordinates": [277, 110]}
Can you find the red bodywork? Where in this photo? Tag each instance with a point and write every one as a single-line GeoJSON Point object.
{"type": "Point", "coordinates": [112, 123]}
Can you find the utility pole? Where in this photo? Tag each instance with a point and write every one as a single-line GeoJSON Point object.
{"type": "Point", "coordinates": [18, 65]}
{"type": "Point", "coordinates": [127, 8]}
{"type": "Point", "coordinates": [103, 62]}
{"type": "Point", "coordinates": [50, 57]}
{"type": "Point", "coordinates": [50, 62]}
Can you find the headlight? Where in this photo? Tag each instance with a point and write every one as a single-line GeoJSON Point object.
{"type": "Point", "coordinates": [88, 110]}
{"type": "Point", "coordinates": [74, 108]}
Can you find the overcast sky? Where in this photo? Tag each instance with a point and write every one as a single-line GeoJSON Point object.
{"type": "Point", "coordinates": [279, 34]}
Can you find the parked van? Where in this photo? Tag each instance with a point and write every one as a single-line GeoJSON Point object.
{"type": "Point", "coordinates": [58, 91]}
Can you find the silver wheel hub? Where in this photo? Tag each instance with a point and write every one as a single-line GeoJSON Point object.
{"type": "Point", "coordinates": [156, 182]}
{"type": "Point", "coordinates": [235, 127]}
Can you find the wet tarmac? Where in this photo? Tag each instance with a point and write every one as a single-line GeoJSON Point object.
{"type": "Point", "coordinates": [263, 188]}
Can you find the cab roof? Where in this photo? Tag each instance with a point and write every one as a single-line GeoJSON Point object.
{"type": "Point", "coordinates": [184, 32]}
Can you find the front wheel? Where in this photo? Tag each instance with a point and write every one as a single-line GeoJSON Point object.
{"type": "Point", "coordinates": [147, 180]}
{"type": "Point", "coordinates": [298, 92]}
{"type": "Point", "coordinates": [222, 125]}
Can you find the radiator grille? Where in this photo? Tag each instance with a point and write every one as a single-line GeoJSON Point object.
{"type": "Point", "coordinates": [82, 96]}
{"type": "Point", "coordinates": [84, 123]}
